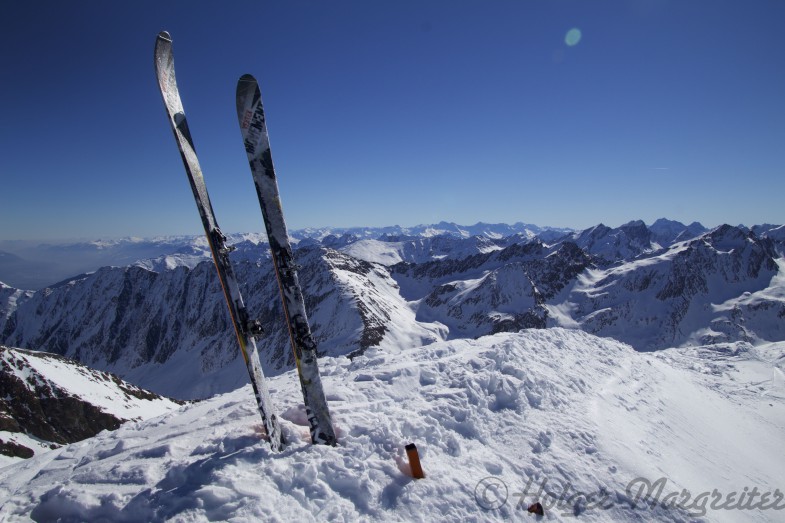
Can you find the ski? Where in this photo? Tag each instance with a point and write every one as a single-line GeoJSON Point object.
{"type": "Point", "coordinates": [245, 329]}
{"type": "Point", "coordinates": [250, 114]}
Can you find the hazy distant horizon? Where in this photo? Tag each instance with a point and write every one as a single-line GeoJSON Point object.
{"type": "Point", "coordinates": [88, 239]}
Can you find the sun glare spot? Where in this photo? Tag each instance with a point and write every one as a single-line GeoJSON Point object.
{"type": "Point", "coordinates": [573, 37]}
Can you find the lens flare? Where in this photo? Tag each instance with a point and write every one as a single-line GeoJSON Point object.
{"type": "Point", "coordinates": [573, 37]}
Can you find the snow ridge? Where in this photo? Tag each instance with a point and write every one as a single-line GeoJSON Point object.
{"type": "Point", "coordinates": [48, 401]}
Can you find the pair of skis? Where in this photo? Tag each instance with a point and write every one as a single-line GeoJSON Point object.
{"type": "Point", "coordinates": [250, 114]}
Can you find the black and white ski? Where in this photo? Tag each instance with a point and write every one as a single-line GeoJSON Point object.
{"type": "Point", "coordinates": [250, 114]}
{"type": "Point", "coordinates": [245, 329]}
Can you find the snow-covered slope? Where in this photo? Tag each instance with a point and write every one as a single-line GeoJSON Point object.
{"type": "Point", "coordinates": [10, 299]}
{"type": "Point", "coordinates": [577, 422]}
{"type": "Point", "coordinates": [47, 401]}
{"type": "Point", "coordinates": [777, 235]}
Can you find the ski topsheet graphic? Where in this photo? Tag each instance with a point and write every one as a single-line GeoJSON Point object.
{"type": "Point", "coordinates": [250, 114]}
{"type": "Point", "coordinates": [244, 328]}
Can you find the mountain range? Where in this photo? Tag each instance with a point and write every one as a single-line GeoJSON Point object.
{"type": "Point", "coordinates": [161, 323]}
{"type": "Point", "coordinates": [36, 265]}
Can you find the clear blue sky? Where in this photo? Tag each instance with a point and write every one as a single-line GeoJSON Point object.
{"type": "Point", "coordinates": [395, 112]}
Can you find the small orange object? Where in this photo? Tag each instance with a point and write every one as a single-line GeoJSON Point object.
{"type": "Point", "coordinates": [414, 461]}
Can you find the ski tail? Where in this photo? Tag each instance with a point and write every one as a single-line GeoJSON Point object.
{"type": "Point", "coordinates": [250, 115]}
{"type": "Point", "coordinates": [244, 329]}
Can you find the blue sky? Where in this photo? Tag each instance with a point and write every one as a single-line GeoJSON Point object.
{"type": "Point", "coordinates": [404, 112]}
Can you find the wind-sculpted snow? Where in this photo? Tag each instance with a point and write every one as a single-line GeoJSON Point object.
{"type": "Point", "coordinates": [576, 422]}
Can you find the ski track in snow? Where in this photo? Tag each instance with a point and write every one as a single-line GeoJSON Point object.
{"type": "Point", "coordinates": [557, 410]}
{"type": "Point", "coordinates": [704, 418]}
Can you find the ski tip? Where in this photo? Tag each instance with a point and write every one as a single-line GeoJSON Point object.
{"type": "Point", "coordinates": [247, 78]}
{"type": "Point", "coordinates": [164, 35]}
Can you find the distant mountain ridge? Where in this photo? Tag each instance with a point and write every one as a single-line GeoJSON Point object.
{"type": "Point", "coordinates": [32, 265]}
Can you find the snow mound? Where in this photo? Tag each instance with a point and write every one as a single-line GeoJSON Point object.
{"type": "Point", "coordinates": [555, 413]}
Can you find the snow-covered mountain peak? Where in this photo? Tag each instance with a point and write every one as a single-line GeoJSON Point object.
{"type": "Point", "coordinates": [612, 245]}
{"type": "Point", "coordinates": [667, 232]}
{"type": "Point", "coordinates": [727, 238]}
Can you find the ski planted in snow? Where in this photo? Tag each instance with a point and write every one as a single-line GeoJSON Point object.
{"type": "Point", "coordinates": [250, 114]}
{"type": "Point", "coordinates": [245, 328]}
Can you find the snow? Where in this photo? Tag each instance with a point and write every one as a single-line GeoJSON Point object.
{"type": "Point", "coordinates": [720, 429]}
{"type": "Point", "coordinates": [172, 261]}
{"type": "Point", "coordinates": [36, 445]}
{"type": "Point", "coordinates": [775, 291]}
{"type": "Point", "coordinates": [84, 384]}
{"type": "Point", "coordinates": [50, 379]}
{"type": "Point", "coordinates": [10, 298]}
{"type": "Point", "coordinates": [711, 288]}
{"type": "Point", "coordinates": [551, 412]}
{"type": "Point", "coordinates": [385, 253]}
{"type": "Point", "coordinates": [419, 250]}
